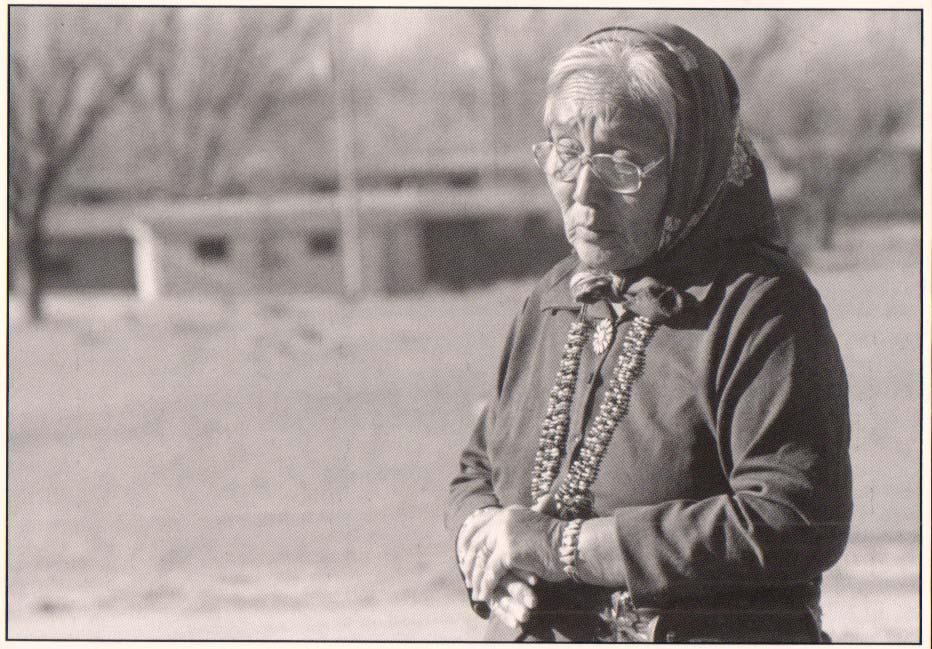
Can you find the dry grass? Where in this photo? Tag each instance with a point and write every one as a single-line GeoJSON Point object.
{"type": "Point", "coordinates": [277, 468]}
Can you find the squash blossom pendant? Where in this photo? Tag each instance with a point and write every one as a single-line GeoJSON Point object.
{"type": "Point", "coordinates": [602, 337]}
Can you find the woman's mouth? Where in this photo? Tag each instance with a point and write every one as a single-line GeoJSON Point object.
{"type": "Point", "coordinates": [591, 235]}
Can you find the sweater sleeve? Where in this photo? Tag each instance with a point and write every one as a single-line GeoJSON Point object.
{"type": "Point", "coordinates": [777, 402]}
{"type": "Point", "coordinates": [471, 488]}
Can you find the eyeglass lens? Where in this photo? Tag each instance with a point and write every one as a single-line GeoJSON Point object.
{"type": "Point", "coordinates": [618, 175]}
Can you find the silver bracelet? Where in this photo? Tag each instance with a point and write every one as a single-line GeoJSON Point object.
{"type": "Point", "coordinates": [569, 548]}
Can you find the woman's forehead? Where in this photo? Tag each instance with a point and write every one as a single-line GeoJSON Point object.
{"type": "Point", "coordinates": [611, 123]}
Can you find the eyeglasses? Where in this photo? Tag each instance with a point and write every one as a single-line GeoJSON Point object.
{"type": "Point", "coordinates": [615, 171]}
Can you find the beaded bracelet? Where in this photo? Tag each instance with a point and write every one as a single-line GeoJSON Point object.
{"type": "Point", "coordinates": [569, 548]}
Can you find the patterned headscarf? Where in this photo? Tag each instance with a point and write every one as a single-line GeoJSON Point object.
{"type": "Point", "coordinates": [718, 189]}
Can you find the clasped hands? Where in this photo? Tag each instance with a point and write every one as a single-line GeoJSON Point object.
{"type": "Point", "coordinates": [504, 551]}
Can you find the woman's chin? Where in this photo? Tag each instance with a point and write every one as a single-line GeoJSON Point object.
{"type": "Point", "coordinates": [607, 259]}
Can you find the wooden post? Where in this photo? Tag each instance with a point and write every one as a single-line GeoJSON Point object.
{"type": "Point", "coordinates": [348, 198]}
{"type": "Point", "coordinates": [145, 261]}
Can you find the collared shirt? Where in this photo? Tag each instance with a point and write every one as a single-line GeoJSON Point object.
{"type": "Point", "coordinates": [729, 475]}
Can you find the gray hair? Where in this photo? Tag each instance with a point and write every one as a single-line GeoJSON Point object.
{"type": "Point", "coordinates": [604, 75]}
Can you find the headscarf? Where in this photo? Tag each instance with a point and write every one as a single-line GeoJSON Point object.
{"type": "Point", "coordinates": [718, 189]}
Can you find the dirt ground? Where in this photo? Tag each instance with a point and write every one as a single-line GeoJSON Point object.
{"type": "Point", "coordinates": [276, 468]}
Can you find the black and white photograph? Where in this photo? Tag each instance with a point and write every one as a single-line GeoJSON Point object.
{"type": "Point", "coordinates": [461, 324]}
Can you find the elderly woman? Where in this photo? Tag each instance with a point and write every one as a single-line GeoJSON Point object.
{"type": "Point", "coordinates": [665, 456]}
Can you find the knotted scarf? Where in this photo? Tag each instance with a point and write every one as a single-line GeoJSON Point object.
{"type": "Point", "coordinates": [646, 297]}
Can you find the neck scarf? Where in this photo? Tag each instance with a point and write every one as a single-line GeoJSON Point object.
{"type": "Point", "coordinates": [647, 297]}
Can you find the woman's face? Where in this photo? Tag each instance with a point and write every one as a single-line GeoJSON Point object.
{"type": "Point", "coordinates": [608, 230]}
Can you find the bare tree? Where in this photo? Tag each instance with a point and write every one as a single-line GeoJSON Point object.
{"type": "Point", "coordinates": [70, 67]}
{"type": "Point", "coordinates": [511, 73]}
{"type": "Point", "coordinates": [496, 77]}
{"type": "Point", "coordinates": [220, 76]}
{"type": "Point", "coordinates": [828, 166]}
{"type": "Point", "coordinates": [823, 111]}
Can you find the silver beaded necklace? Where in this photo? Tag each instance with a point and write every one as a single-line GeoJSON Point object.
{"type": "Point", "coordinates": [573, 497]}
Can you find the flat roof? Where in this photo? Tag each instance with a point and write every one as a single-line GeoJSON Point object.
{"type": "Point", "coordinates": [302, 211]}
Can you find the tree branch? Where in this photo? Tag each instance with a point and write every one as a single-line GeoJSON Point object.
{"type": "Point", "coordinates": [116, 85]}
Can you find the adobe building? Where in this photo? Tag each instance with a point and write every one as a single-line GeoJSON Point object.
{"type": "Point", "coordinates": [409, 238]}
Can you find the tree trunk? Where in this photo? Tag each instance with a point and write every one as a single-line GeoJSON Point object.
{"type": "Point", "coordinates": [829, 222]}
{"type": "Point", "coordinates": [831, 201]}
{"type": "Point", "coordinates": [33, 284]}
{"type": "Point", "coordinates": [33, 249]}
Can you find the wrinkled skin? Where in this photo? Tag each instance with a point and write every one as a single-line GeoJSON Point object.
{"type": "Point", "coordinates": [608, 230]}
{"type": "Point", "coordinates": [505, 551]}
{"type": "Point", "coordinates": [513, 598]}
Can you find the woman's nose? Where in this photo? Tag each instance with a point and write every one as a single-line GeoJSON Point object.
{"type": "Point", "coordinates": [588, 188]}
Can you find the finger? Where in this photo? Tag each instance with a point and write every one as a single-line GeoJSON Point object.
{"type": "Point", "coordinates": [519, 611]}
{"type": "Point", "coordinates": [470, 528]}
{"type": "Point", "coordinates": [493, 571]}
{"type": "Point", "coordinates": [527, 577]}
{"type": "Point", "coordinates": [522, 593]}
{"type": "Point", "coordinates": [477, 574]}
{"type": "Point", "coordinates": [508, 607]}
{"type": "Point", "coordinates": [546, 504]}
{"type": "Point", "coordinates": [473, 552]}
{"type": "Point", "coordinates": [502, 612]}
{"type": "Point", "coordinates": [515, 607]}
{"type": "Point", "coordinates": [467, 559]}
{"type": "Point", "coordinates": [466, 566]}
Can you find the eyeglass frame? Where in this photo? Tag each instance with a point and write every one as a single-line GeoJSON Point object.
{"type": "Point", "coordinates": [587, 158]}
